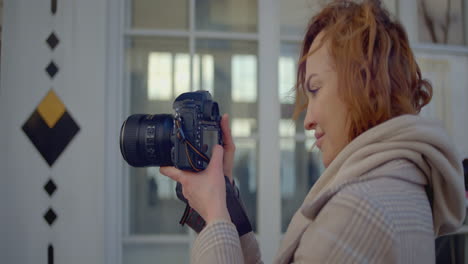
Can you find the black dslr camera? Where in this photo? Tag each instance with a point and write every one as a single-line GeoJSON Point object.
{"type": "Point", "coordinates": [185, 141]}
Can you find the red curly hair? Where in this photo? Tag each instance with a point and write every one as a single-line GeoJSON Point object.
{"type": "Point", "coordinates": [378, 75]}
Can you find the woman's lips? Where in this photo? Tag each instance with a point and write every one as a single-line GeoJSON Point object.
{"type": "Point", "coordinates": [319, 139]}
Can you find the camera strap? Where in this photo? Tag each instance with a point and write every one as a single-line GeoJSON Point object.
{"type": "Point", "coordinates": [192, 219]}
{"type": "Point", "coordinates": [235, 208]}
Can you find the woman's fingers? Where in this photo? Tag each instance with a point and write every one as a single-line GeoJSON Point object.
{"type": "Point", "coordinates": [229, 147]}
{"type": "Point", "coordinates": [216, 162]}
{"type": "Point", "coordinates": [227, 136]}
{"type": "Point", "coordinates": [172, 172]}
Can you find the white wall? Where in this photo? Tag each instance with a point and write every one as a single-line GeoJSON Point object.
{"type": "Point", "coordinates": [78, 233]}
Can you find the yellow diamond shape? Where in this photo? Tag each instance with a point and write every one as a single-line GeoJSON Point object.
{"type": "Point", "coordinates": [51, 108]}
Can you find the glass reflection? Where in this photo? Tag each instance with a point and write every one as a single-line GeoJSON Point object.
{"type": "Point", "coordinates": [245, 176]}
{"type": "Point", "coordinates": [441, 21]}
{"type": "Point", "coordinates": [287, 79]}
{"type": "Point", "coordinates": [300, 169]}
{"type": "Point", "coordinates": [243, 127]}
{"type": "Point", "coordinates": [294, 15]}
{"type": "Point", "coordinates": [244, 78]}
{"type": "Point", "coordinates": [181, 73]}
{"type": "Point", "coordinates": [169, 74]}
{"type": "Point", "coordinates": [154, 208]}
{"type": "Point", "coordinates": [159, 76]}
{"type": "Point", "coordinates": [287, 128]}
{"type": "Point", "coordinates": [159, 14]}
{"type": "Point", "coordinates": [203, 73]}
{"type": "Point", "coordinates": [287, 68]}
{"type": "Point", "coordinates": [159, 69]}
{"type": "Point", "coordinates": [233, 79]}
{"type": "Point", "coordinates": [226, 15]}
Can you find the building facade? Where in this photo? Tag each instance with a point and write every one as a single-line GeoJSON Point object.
{"type": "Point", "coordinates": [72, 71]}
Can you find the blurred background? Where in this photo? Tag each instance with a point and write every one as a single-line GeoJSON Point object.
{"type": "Point", "coordinates": [72, 71]}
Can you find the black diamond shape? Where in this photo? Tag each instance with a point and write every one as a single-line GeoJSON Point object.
{"type": "Point", "coordinates": [52, 69]}
{"type": "Point", "coordinates": [50, 142]}
{"type": "Point", "coordinates": [52, 40]}
{"type": "Point", "coordinates": [50, 187]}
{"type": "Point", "coordinates": [50, 216]}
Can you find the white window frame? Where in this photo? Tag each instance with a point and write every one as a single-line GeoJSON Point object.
{"type": "Point", "coordinates": [268, 193]}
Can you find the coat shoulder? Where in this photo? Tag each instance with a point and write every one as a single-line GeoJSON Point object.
{"type": "Point", "coordinates": [382, 220]}
{"type": "Point", "coordinates": [399, 205]}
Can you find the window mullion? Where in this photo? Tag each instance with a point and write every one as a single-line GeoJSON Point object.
{"type": "Point", "coordinates": [269, 196]}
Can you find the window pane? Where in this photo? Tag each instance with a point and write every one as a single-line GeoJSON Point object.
{"type": "Point", "coordinates": [447, 74]}
{"type": "Point", "coordinates": [392, 6]}
{"type": "Point", "coordinates": [300, 169]}
{"type": "Point", "coordinates": [154, 207]}
{"type": "Point", "coordinates": [287, 64]}
{"type": "Point", "coordinates": [226, 15]}
{"type": "Point", "coordinates": [181, 73]}
{"type": "Point", "coordinates": [203, 73]}
{"type": "Point", "coordinates": [243, 127]}
{"type": "Point", "coordinates": [155, 253]}
{"type": "Point", "coordinates": [159, 14]}
{"type": "Point", "coordinates": [287, 69]}
{"type": "Point", "coordinates": [160, 76]}
{"type": "Point", "coordinates": [441, 21]}
{"type": "Point", "coordinates": [245, 176]}
{"type": "Point", "coordinates": [295, 14]}
{"type": "Point", "coordinates": [287, 128]}
{"type": "Point", "coordinates": [244, 78]}
{"type": "Point", "coordinates": [158, 70]}
{"type": "Point", "coordinates": [235, 89]}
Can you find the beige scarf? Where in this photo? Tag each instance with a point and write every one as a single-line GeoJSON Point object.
{"type": "Point", "coordinates": [411, 137]}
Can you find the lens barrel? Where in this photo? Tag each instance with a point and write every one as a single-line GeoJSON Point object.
{"type": "Point", "coordinates": [145, 140]}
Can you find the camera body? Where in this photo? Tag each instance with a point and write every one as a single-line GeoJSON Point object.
{"type": "Point", "coordinates": [199, 123]}
{"type": "Point", "coordinates": [184, 140]}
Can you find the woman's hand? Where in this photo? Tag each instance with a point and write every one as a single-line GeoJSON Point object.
{"type": "Point", "coordinates": [229, 148]}
{"type": "Point", "coordinates": [205, 190]}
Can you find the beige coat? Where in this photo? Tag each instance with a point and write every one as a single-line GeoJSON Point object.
{"type": "Point", "coordinates": [370, 205]}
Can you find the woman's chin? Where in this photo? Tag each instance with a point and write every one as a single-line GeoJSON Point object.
{"type": "Point", "coordinates": [325, 160]}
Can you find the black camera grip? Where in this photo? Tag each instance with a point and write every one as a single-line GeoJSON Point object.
{"type": "Point", "coordinates": [234, 205]}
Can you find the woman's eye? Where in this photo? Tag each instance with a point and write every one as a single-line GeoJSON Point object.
{"type": "Point", "coordinates": [314, 90]}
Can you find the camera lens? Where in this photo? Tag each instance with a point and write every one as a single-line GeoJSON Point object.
{"type": "Point", "coordinates": [145, 140]}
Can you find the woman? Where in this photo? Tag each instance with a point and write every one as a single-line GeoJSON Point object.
{"type": "Point", "coordinates": [393, 181]}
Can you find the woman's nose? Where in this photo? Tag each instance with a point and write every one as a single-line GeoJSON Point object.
{"type": "Point", "coordinates": [309, 122]}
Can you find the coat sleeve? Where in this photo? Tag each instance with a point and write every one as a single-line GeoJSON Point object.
{"type": "Point", "coordinates": [219, 242]}
{"type": "Point", "coordinates": [250, 249]}
{"type": "Point", "coordinates": [349, 229]}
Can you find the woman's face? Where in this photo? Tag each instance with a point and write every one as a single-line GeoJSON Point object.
{"type": "Point", "coordinates": [326, 112]}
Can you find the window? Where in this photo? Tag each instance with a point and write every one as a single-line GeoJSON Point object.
{"type": "Point", "coordinates": [168, 52]}
{"type": "Point", "coordinates": [186, 45]}
{"type": "Point", "coordinates": [442, 22]}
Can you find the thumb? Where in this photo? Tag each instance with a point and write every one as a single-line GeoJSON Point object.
{"type": "Point", "coordinates": [216, 162]}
